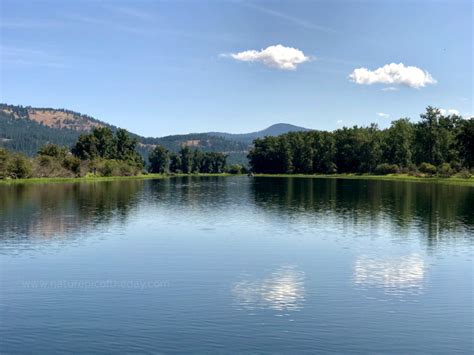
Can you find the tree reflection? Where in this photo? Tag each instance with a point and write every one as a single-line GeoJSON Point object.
{"type": "Point", "coordinates": [435, 209]}
{"type": "Point", "coordinates": [57, 210]}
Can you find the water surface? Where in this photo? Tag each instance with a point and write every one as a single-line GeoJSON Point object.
{"type": "Point", "coordinates": [217, 264]}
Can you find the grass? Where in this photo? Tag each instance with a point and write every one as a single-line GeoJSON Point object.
{"type": "Point", "coordinates": [44, 180]}
{"type": "Point", "coordinates": [390, 177]}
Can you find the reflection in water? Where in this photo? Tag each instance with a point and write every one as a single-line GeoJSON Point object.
{"type": "Point", "coordinates": [440, 212]}
{"type": "Point", "coordinates": [395, 275]}
{"type": "Point", "coordinates": [283, 290]}
{"type": "Point", "coordinates": [39, 213]}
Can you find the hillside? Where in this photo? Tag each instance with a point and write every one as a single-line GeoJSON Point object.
{"type": "Point", "coordinates": [26, 129]}
{"type": "Point", "coordinates": [273, 130]}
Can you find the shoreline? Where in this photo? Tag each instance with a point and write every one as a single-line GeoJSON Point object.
{"type": "Point", "coordinates": [390, 177]}
{"type": "Point", "coordinates": [48, 180]}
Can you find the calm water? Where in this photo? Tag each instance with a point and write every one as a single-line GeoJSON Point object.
{"type": "Point", "coordinates": [238, 265]}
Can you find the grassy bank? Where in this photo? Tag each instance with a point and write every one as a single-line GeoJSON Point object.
{"type": "Point", "coordinates": [46, 180]}
{"type": "Point", "coordinates": [390, 177]}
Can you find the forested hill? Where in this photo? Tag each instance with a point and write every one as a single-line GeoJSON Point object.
{"type": "Point", "coordinates": [273, 130]}
{"type": "Point", "coordinates": [26, 129]}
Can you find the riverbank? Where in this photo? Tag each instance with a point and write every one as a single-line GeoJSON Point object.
{"type": "Point", "coordinates": [390, 177]}
{"type": "Point", "coordinates": [47, 180]}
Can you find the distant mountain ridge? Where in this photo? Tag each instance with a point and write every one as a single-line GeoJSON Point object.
{"type": "Point", "coordinates": [26, 129]}
{"type": "Point", "coordinates": [274, 130]}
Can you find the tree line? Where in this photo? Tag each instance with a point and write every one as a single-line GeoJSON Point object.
{"type": "Point", "coordinates": [189, 161]}
{"type": "Point", "coordinates": [103, 152]}
{"type": "Point", "coordinates": [436, 144]}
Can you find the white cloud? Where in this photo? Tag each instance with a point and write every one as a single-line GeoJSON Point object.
{"type": "Point", "coordinates": [451, 111]}
{"type": "Point", "coordinates": [393, 74]}
{"type": "Point", "coordinates": [340, 122]}
{"type": "Point", "coordinates": [280, 57]}
{"type": "Point", "coordinates": [383, 115]}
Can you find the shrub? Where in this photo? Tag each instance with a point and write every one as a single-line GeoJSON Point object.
{"type": "Point", "coordinates": [464, 174]}
{"type": "Point", "coordinates": [19, 167]}
{"type": "Point", "coordinates": [107, 169]}
{"type": "Point", "coordinates": [72, 164]}
{"type": "Point", "coordinates": [384, 169]}
{"type": "Point", "coordinates": [4, 158]}
{"type": "Point", "coordinates": [456, 166]}
{"type": "Point", "coordinates": [125, 169]}
{"type": "Point", "coordinates": [53, 150]}
{"type": "Point", "coordinates": [235, 169]}
{"type": "Point", "coordinates": [427, 168]}
{"type": "Point", "coordinates": [444, 170]}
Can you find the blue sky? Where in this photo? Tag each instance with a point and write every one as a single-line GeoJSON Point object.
{"type": "Point", "coordinates": [166, 67]}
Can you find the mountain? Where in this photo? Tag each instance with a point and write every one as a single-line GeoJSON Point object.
{"type": "Point", "coordinates": [273, 130]}
{"type": "Point", "coordinates": [26, 129]}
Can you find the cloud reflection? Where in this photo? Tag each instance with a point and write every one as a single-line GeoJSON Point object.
{"type": "Point", "coordinates": [281, 290]}
{"type": "Point", "coordinates": [403, 274]}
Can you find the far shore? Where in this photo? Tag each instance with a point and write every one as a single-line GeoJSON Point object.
{"type": "Point", "coordinates": [390, 177]}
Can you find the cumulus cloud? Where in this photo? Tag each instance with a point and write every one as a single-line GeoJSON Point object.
{"type": "Point", "coordinates": [279, 57]}
{"type": "Point", "coordinates": [383, 115]}
{"type": "Point", "coordinates": [451, 111]}
{"type": "Point", "coordinates": [393, 74]}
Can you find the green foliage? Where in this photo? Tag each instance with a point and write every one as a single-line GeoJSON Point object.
{"type": "Point", "coordinates": [396, 145]}
{"type": "Point", "coordinates": [271, 155]}
{"type": "Point", "coordinates": [113, 167]}
{"type": "Point", "coordinates": [19, 167]}
{"type": "Point", "coordinates": [427, 168]}
{"type": "Point", "coordinates": [384, 169]}
{"type": "Point", "coordinates": [4, 157]}
{"type": "Point", "coordinates": [175, 163]}
{"type": "Point", "coordinates": [465, 142]}
{"type": "Point", "coordinates": [53, 150]}
{"type": "Point", "coordinates": [235, 169]}
{"type": "Point", "coordinates": [445, 170]}
{"type": "Point", "coordinates": [103, 143]}
{"type": "Point", "coordinates": [435, 140]}
{"type": "Point", "coordinates": [186, 159]}
{"type": "Point", "coordinates": [464, 174]}
{"type": "Point", "coordinates": [159, 160]}
{"type": "Point", "coordinates": [72, 164]}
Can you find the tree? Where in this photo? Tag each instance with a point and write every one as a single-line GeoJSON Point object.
{"type": "Point", "coordinates": [427, 143]}
{"type": "Point", "coordinates": [302, 153]}
{"type": "Point", "coordinates": [54, 151]}
{"type": "Point", "coordinates": [197, 161]}
{"type": "Point", "coordinates": [125, 145]}
{"type": "Point", "coordinates": [397, 143]}
{"type": "Point", "coordinates": [4, 158]}
{"type": "Point", "coordinates": [159, 160]}
{"type": "Point", "coordinates": [324, 150]}
{"type": "Point", "coordinates": [175, 163]}
{"type": "Point", "coordinates": [465, 142]}
{"type": "Point", "coordinates": [186, 159]}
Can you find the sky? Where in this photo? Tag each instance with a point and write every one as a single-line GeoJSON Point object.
{"type": "Point", "coordinates": [169, 67]}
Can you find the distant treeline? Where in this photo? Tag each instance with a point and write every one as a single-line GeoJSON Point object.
{"type": "Point", "coordinates": [104, 152]}
{"type": "Point", "coordinates": [188, 161]}
{"type": "Point", "coordinates": [436, 144]}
